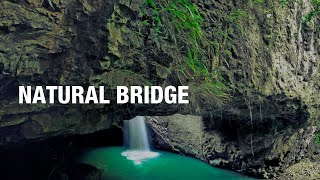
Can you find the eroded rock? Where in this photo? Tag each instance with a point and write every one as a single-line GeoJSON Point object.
{"type": "Point", "coordinates": [262, 156]}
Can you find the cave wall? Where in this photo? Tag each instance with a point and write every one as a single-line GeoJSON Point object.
{"type": "Point", "coordinates": [69, 43]}
{"type": "Point", "coordinates": [50, 45]}
{"type": "Point", "coordinates": [262, 156]}
{"type": "Point", "coordinates": [273, 68]}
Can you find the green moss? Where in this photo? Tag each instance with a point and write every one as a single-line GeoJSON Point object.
{"type": "Point", "coordinates": [317, 137]}
{"type": "Point", "coordinates": [281, 147]}
{"type": "Point", "coordinates": [118, 77]}
{"type": "Point", "coordinates": [115, 38]}
{"type": "Point", "coordinates": [314, 12]}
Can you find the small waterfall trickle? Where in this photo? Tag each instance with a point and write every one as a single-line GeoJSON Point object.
{"type": "Point", "coordinates": [136, 140]}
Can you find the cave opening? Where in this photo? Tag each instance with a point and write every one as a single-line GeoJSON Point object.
{"type": "Point", "coordinates": [55, 157]}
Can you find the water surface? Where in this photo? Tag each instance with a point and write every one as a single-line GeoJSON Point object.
{"type": "Point", "coordinates": [118, 163]}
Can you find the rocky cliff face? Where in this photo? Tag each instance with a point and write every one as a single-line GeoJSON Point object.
{"type": "Point", "coordinates": [272, 67]}
{"type": "Point", "coordinates": [66, 43]}
{"type": "Point", "coordinates": [43, 45]}
{"type": "Point", "coordinates": [262, 156]}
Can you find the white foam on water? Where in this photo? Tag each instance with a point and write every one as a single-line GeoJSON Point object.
{"type": "Point", "coordinates": [136, 139]}
{"type": "Point", "coordinates": [138, 157]}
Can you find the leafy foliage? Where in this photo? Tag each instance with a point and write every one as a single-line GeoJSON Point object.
{"type": "Point", "coordinates": [183, 21]}
{"type": "Point", "coordinates": [188, 16]}
{"type": "Point", "coordinates": [284, 2]}
{"type": "Point", "coordinates": [315, 12]}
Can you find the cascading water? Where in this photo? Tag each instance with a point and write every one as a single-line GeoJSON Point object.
{"type": "Point", "coordinates": [136, 140]}
{"type": "Point", "coordinates": [136, 134]}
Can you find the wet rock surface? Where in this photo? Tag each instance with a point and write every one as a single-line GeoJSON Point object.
{"type": "Point", "coordinates": [261, 156]}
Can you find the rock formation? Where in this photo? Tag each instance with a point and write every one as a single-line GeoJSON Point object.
{"type": "Point", "coordinates": [271, 66]}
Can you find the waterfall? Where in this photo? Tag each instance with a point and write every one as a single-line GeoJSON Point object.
{"type": "Point", "coordinates": [136, 140]}
{"type": "Point", "coordinates": [136, 137]}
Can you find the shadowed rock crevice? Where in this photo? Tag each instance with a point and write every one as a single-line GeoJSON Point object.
{"type": "Point", "coordinates": [255, 154]}
{"type": "Point", "coordinates": [257, 115]}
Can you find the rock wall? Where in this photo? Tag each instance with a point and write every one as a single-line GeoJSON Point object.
{"type": "Point", "coordinates": [272, 67]}
{"type": "Point", "coordinates": [42, 44]}
{"type": "Point", "coordinates": [263, 157]}
{"type": "Point", "coordinates": [68, 43]}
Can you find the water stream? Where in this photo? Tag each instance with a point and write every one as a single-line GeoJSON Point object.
{"type": "Point", "coordinates": [136, 140]}
{"type": "Point", "coordinates": [135, 134]}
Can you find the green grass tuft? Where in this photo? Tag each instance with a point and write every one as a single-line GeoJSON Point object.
{"type": "Point", "coordinates": [182, 20]}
